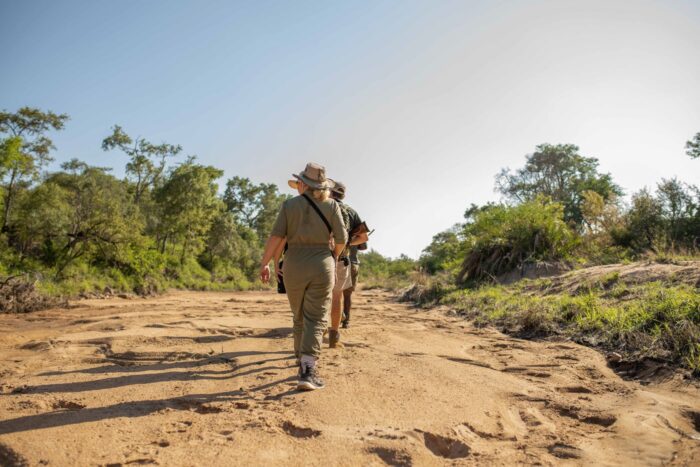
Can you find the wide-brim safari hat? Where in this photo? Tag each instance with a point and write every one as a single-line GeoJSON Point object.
{"type": "Point", "coordinates": [313, 175]}
{"type": "Point", "coordinates": [338, 188]}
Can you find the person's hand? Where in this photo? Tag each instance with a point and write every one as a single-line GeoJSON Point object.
{"type": "Point", "coordinates": [265, 273]}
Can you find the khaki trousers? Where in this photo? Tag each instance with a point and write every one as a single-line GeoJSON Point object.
{"type": "Point", "coordinates": [309, 276]}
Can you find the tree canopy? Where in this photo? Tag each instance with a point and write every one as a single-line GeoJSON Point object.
{"type": "Point", "coordinates": [163, 223]}
{"type": "Point", "coordinates": [24, 150]}
{"type": "Point", "coordinates": [253, 205]}
{"type": "Point", "coordinates": [562, 174]}
{"type": "Point", "coordinates": [147, 161]}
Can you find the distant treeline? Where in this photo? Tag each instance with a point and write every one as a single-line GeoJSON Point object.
{"type": "Point", "coordinates": [165, 224]}
{"type": "Point", "coordinates": [560, 208]}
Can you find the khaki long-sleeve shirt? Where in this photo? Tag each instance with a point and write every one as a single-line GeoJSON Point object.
{"type": "Point", "coordinates": [300, 223]}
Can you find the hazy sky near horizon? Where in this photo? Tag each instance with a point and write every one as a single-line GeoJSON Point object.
{"type": "Point", "coordinates": [415, 105]}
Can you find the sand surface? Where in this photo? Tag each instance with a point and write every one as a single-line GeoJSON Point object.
{"type": "Point", "coordinates": [200, 378]}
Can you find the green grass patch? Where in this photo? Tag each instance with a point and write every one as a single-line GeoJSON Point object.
{"type": "Point", "coordinates": [653, 319]}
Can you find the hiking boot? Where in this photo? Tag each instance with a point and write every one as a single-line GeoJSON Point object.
{"type": "Point", "coordinates": [309, 380]}
{"type": "Point", "coordinates": [333, 338]}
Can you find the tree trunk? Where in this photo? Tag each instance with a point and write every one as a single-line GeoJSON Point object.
{"type": "Point", "coordinates": [8, 200]}
{"type": "Point", "coordinates": [184, 251]}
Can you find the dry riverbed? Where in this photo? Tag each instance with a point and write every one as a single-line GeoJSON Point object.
{"type": "Point", "coordinates": [202, 378]}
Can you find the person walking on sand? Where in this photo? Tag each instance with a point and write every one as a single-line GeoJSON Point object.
{"type": "Point", "coordinates": [344, 275]}
{"type": "Point", "coordinates": [354, 275]}
{"type": "Point", "coordinates": [312, 225]}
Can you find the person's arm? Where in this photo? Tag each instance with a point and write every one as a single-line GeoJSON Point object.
{"type": "Point", "coordinates": [277, 237]}
{"type": "Point", "coordinates": [337, 250]}
{"type": "Point", "coordinates": [359, 239]}
{"type": "Point", "coordinates": [271, 247]}
{"type": "Point", "coordinates": [278, 254]}
{"type": "Point", "coordinates": [355, 222]}
{"type": "Point", "coordinates": [340, 235]}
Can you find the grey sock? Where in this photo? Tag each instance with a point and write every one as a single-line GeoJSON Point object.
{"type": "Point", "coordinates": [307, 361]}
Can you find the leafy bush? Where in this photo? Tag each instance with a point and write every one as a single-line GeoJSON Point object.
{"type": "Point", "coordinates": [502, 238]}
{"type": "Point", "coordinates": [380, 271]}
{"type": "Point", "coordinates": [445, 252]}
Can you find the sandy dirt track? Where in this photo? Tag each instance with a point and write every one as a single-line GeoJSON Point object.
{"type": "Point", "coordinates": [200, 378]}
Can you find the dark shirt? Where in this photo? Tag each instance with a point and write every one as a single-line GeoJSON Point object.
{"type": "Point", "coordinates": [353, 220]}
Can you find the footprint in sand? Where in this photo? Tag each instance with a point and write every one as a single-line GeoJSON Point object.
{"type": "Point", "coordinates": [468, 432]}
{"type": "Point", "coordinates": [392, 456]}
{"type": "Point", "coordinates": [66, 405]}
{"type": "Point", "coordinates": [299, 432]}
{"type": "Point", "coordinates": [527, 371]}
{"type": "Point", "coordinates": [538, 374]}
{"type": "Point", "coordinates": [446, 447]}
{"type": "Point", "coordinates": [534, 419]}
{"type": "Point", "coordinates": [574, 412]}
{"type": "Point", "coordinates": [529, 419]}
{"type": "Point", "coordinates": [180, 427]}
{"type": "Point", "coordinates": [575, 390]}
{"type": "Point", "coordinates": [196, 406]}
{"type": "Point", "coordinates": [39, 346]}
{"type": "Point", "coordinates": [694, 418]}
{"type": "Point", "coordinates": [565, 451]}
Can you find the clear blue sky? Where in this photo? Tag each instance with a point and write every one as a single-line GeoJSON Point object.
{"type": "Point", "coordinates": [414, 104]}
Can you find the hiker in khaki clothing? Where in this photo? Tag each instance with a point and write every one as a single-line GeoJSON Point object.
{"type": "Point", "coordinates": [343, 279]}
{"type": "Point", "coordinates": [309, 264]}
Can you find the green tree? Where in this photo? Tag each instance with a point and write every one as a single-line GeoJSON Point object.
{"type": "Point", "coordinates": [147, 161]}
{"type": "Point", "coordinates": [229, 243]}
{"type": "Point", "coordinates": [692, 147]}
{"type": "Point", "coordinates": [42, 220]}
{"type": "Point", "coordinates": [188, 203]}
{"type": "Point", "coordinates": [600, 216]}
{"type": "Point", "coordinates": [102, 220]}
{"type": "Point", "coordinates": [560, 173]}
{"type": "Point", "coordinates": [379, 269]}
{"type": "Point", "coordinates": [444, 252]}
{"type": "Point", "coordinates": [24, 150]}
{"type": "Point", "coordinates": [678, 209]}
{"type": "Point", "coordinates": [253, 205]}
{"type": "Point", "coordinates": [644, 223]}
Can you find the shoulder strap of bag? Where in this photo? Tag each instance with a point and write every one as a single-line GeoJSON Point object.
{"type": "Point", "coordinates": [318, 211]}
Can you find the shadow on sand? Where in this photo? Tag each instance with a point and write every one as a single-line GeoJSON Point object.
{"type": "Point", "coordinates": [160, 372]}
